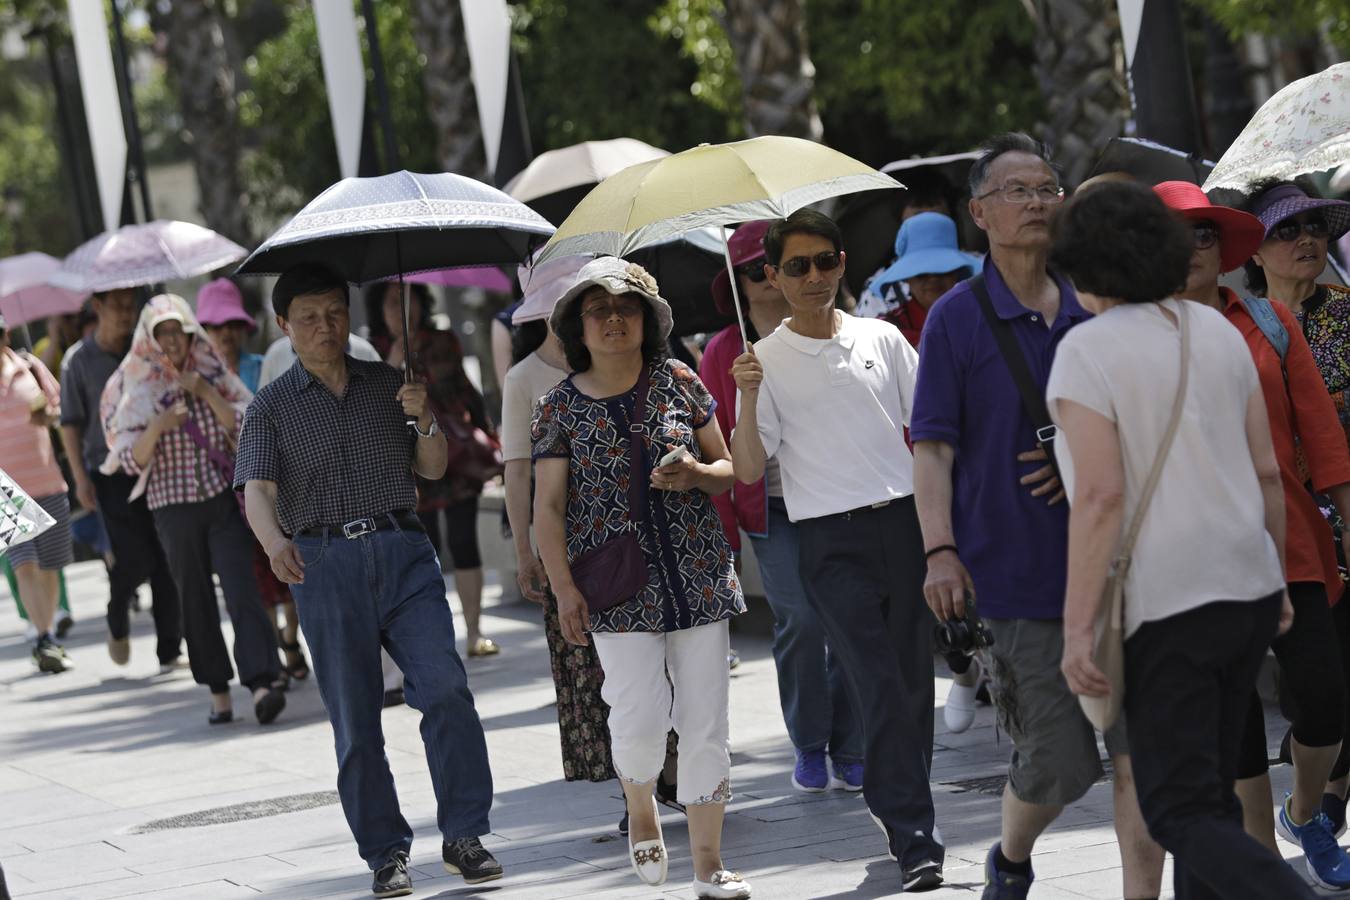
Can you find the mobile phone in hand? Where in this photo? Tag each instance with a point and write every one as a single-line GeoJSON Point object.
{"type": "Point", "coordinates": [673, 456]}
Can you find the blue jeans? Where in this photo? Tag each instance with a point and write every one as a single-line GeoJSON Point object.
{"type": "Point", "coordinates": [811, 685]}
{"type": "Point", "coordinates": [385, 588]}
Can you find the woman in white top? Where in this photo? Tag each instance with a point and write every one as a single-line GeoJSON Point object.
{"type": "Point", "coordinates": [1205, 593]}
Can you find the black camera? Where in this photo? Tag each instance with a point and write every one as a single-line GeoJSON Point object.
{"type": "Point", "coordinates": [966, 636]}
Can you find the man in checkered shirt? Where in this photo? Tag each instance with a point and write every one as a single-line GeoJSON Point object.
{"type": "Point", "coordinates": [326, 463]}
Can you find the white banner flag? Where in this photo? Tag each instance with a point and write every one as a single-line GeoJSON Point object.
{"type": "Point", "coordinates": [344, 76]}
{"type": "Point", "coordinates": [102, 108]}
{"type": "Point", "coordinates": [487, 31]}
{"type": "Point", "coordinates": [1131, 17]}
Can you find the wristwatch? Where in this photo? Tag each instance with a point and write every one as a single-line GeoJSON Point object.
{"type": "Point", "coordinates": [430, 432]}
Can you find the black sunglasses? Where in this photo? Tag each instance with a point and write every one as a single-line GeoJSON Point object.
{"type": "Point", "coordinates": [754, 271]}
{"type": "Point", "coordinates": [1289, 230]}
{"type": "Point", "coordinates": [1206, 236]}
{"type": "Point", "coordinates": [798, 266]}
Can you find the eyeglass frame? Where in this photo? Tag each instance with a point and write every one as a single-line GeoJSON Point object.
{"type": "Point", "coordinates": [754, 270]}
{"type": "Point", "coordinates": [1314, 221]}
{"type": "Point", "coordinates": [811, 261]}
{"type": "Point", "coordinates": [1210, 227]}
{"type": "Point", "coordinates": [1037, 192]}
{"type": "Point", "coordinates": [611, 308]}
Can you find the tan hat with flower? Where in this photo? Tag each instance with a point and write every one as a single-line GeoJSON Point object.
{"type": "Point", "coordinates": [618, 277]}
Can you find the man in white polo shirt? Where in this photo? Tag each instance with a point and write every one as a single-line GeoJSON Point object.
{"type": "Point", "coordinates": [828, 395]}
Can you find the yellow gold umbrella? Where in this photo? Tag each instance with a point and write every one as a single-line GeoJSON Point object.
{"type": "Point", "coordinates": [709, 185]}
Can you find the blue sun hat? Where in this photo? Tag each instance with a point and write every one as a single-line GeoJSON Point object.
{"type": "Point", "coordinates": [924, 245]}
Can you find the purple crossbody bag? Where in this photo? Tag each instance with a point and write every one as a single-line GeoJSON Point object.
{"type": "Point", "coordinates": [616, 571]}
{"type": "Point", "coordinates": [220, 459]}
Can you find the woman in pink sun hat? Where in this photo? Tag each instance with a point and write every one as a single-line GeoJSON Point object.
{"type": "Point", "coordinates": [220, 310]}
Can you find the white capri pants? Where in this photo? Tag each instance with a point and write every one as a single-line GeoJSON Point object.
{"type": "Point", "coordinates": [643, 705]}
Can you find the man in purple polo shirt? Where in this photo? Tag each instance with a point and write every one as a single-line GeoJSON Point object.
{"type": "Point", "coordinates": [994, 523]}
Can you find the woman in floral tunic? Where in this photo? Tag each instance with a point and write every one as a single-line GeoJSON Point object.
{"type": "Point", "coordinates": [663, 649]}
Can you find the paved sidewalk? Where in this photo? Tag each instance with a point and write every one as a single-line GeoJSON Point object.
{"type": "Point", "coordinates": [113, 785]}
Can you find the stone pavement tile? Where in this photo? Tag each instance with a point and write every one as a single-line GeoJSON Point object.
{"type": "Point", "coordinates": [49, 803]}
{"type": "Point", "coordinates": [12, 778]}
{"type": "Point", "coordinates": [185, 881]}
{"type": "Point", "coordinates": [70, 882]}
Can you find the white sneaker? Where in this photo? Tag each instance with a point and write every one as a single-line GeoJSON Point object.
{"type": "Point", "coordinates": [723, 886]}
{"type": "Point", "coordinates": [959, 710]}
{"type": "Point", "coordinates": [649, 857]}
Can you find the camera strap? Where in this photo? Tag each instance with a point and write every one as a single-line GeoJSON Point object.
{"type": "Point", "coordinates": [1033, 396]}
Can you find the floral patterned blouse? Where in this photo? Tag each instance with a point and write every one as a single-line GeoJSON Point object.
{"type": "Point", "coordinates": [1325, 318]}
{"type": "Point", "coordinates": [691, 581]}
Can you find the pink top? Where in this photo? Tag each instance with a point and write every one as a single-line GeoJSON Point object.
{"type": "Point", "coordinates": [26, 449]}
{"type": "Point", "coordinates": [745, 505]}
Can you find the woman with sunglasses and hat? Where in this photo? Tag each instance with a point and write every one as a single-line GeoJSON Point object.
{"type": "Point", "coordinates": [1299, 227]}
{"type": "Point", "coordinates": [1301, 418]}
{"type": "Point", "coordinates": [626, 454]}
{"type": "Point", "coordinates": [171, 413]}
{"type": "Point", "coordinates": [929, 264]}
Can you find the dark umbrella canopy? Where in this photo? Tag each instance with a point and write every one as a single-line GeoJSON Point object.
{"type": "Point", "coordinates": [1150, 162]}
{"type": "Point", "coordinates": [369, 229]}
{"type": "Point", "coordinates": [685, 268]}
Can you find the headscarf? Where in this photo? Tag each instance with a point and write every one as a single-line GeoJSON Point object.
{"type": "Point", "coordinates": [146, 383]}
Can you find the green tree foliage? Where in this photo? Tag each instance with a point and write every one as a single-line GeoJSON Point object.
{"type": "Point", "coordinates": [595, 69]}
{"type": "Point", "coordinates": [894, 78]}
{"type": "Point", "coordinates": [1283, 18]}
{"type": "Point", "coordinates": [286, 105]}
{"type": "Point", "coordinates": [34, 208]}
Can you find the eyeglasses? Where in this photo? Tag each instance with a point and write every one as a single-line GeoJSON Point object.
{"type": "Point", "coordinates": [1021, 194]}
{"type": "Point", "coordinates": [798, 266]}
{"type": "Point", "coordinates": [753, 271]}
{"type": "Point", "coordinates": [1315, 226]}
{"type": "Point", "coordinates": [602, 311]}
{"type": "Point", "coordinates": [1206, 236]}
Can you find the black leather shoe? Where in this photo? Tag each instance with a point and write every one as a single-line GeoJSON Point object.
{"type": "Point", "coordinates": [467, 857]}
{"type": "Point", "coordinates": [269, 706]}
{"type": "Point", "coordinates": [391, 879]}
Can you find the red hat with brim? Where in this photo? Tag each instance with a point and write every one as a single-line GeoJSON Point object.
{"type": "Point", "coordinates": [745, 245]}
{"type": "Point", "coordinates": [1240, 233]}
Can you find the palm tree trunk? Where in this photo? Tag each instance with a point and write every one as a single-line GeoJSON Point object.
{"type": "Point", "coordinates": [1081, 74]}
{"type": "Point", "coordinates": [777, 75]}
{"type": "Point", "coordinates": [200, 66]}
{"type": "Point", "coordinates": [451, 103]}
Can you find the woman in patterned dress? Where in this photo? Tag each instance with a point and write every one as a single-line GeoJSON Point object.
{"type": "Point", "coordinates": [664, 649]}
{"type": "Point", "coordinates": [1300, 226]}
{"type": "Point", "coordinates": [438, 359]}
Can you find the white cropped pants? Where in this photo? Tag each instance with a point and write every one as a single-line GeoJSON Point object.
{"type": "Point", "coordinates": [644, 704]}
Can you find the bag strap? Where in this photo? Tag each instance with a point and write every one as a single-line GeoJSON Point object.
{"type": "Point", "coordinates": [1122, 563]}
{"type": "Point", "coordinates": [219, 458]}
{"type": "Point", "coordinates": [1033, 398]}
{"type": "Point", "coordinates": [1268, 321]}
{"type": "Point", "coordinates": [637, 426]}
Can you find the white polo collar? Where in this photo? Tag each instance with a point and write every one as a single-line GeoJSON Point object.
{"type": "Point", "coordinates": [814, 346]}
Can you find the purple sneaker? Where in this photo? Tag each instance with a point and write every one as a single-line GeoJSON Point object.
{"type": "Point", "coordinates": [848, 776]}
{"type": "Point", "coordinates": [810, 775]}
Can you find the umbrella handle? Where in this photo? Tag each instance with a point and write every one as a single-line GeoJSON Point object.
{"type": "Point", "coordinates": [405, 303]}
{"type": "Point", "coordinates": [735, 287]}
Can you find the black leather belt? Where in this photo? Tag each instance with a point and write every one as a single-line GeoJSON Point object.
{"type": "Point", "coordinates": [404, 520]}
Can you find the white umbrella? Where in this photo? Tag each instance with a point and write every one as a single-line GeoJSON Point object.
{"type": "Point", "coordinates": [136, 255]}
{"type": "Point", "coordinates": [1303, 128]}
{"type": "Point", "coordinates": [554, 183]}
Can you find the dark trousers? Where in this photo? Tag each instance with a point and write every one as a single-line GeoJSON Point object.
{"type": "Point", "coordinates": [137, 556]}
{"type": "Point", "coordinates": [385, 589]}
{"type": "Point", "coordinates": [1187, 681]}
{"type": "Point", "coordinates": [864, 573]}
{"type": "Point", "coordinates": [200, 538]}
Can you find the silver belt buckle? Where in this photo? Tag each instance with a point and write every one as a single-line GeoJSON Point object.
{"type": "Point", "coordinates": [354, 529]}
{"type": "Point", "coordinates": [882, 505]}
